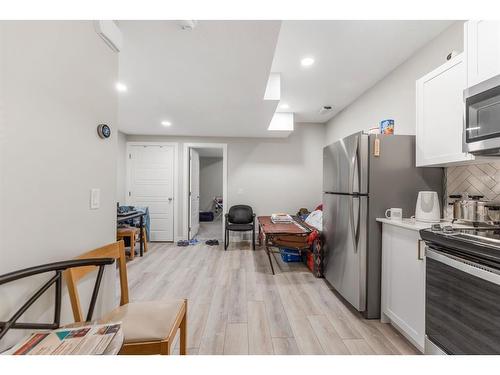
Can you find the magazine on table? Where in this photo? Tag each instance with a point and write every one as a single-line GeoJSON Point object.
{"type": "Point", "coordinates": [90, 339]}
{"type": "Point", "coordinates": [281, 218]}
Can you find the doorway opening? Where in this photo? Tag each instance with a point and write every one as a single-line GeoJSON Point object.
{"type": "Point", "coordinates": [205, 190]}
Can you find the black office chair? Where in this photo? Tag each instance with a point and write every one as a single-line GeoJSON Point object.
{"type": "Point", "coordinates": [240, 218]}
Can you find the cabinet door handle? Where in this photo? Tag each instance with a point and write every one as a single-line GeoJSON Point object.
{"type": "Point", "coordinates": [419, 253]}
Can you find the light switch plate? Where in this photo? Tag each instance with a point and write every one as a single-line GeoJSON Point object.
{"type": "Point", "coordinates": [95, 198]}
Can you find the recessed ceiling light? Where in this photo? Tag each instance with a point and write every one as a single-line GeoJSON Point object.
{"type": "Point", "coordinates": [121, 87]}
{"type": "Point", "coordinates": [307, 61]}
{"type": "Point", "coordinates": [166, 123]}
{"type": "Point", "coordinates": [284, 106]}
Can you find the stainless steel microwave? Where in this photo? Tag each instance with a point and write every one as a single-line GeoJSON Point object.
{"type": "Point", "coordinates": [482, 118]}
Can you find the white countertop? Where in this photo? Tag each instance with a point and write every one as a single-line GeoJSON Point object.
{"type": "Point", "coordinates": [410, 223]}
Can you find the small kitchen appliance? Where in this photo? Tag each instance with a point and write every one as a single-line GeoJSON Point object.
{"type": "Point", "coordinates": [482, 118]}
{"type": "Point", "coordinates": [428, 208]}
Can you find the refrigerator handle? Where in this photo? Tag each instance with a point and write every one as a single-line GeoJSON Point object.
{"type": "Point", "coordinates": [358, 168]}
{"type": "Point", "coordinates": [357, 223]}
{"type": "Point", "coordinates": [353, 227]}
{"type": "Point", "coordinates": [354, 162]}
{"type": "Point", "coordinates": [358, 165]}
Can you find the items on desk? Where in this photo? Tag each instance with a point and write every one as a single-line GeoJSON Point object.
{"type": "Point", "coordinates": [124, 210]}
{"type": "Point", "coordinates": [281, 218]}
{"type": "Point", "coordinates": [315, 219]}
{"type": "Point", "coordinates": [303, 213]}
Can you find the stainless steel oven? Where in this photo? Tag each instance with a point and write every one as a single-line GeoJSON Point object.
{"type": "Point", "coordinates": [462, 312]}
{"type": "Point", "coordinates": [482, 118]}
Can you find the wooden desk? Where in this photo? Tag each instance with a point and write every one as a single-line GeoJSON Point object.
{"type": "Point", "coordinates": [291, 235]}
{"type": "Point", "coordinates": [133, 215]}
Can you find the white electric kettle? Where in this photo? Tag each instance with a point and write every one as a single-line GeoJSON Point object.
{"type": "Point", "coordinates": [428, 209]}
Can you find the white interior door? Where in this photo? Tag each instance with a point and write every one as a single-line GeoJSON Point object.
{"type": "Point", "coordinates": [151, 184]}
{"type": "Point", "coordinates": [194, 193]}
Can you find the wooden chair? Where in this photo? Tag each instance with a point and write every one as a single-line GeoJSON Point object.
{"type": "Point", "coordinates": [130, 233]}
{"type": "Point", "coordinates": [148, 327]}
{"type": "Point", "coordinates": [144, 239]}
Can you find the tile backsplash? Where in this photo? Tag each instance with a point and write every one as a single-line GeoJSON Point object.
{"type": "Point", "coordinates": [476, 179]}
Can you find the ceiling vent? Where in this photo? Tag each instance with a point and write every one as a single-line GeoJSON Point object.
{"type": "Point", "coordinates": [187, 25]}
{"type": "Point", "coordinates": [326, 109]}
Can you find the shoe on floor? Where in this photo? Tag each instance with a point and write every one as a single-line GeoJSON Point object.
{"type": "Point", "coordinates": [182, 243]}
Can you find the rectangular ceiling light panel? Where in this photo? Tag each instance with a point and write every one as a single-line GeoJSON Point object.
{"type": "Point", "coordinates": [282, 121]}
{"type": "Point", "coordinates": [273, 88]}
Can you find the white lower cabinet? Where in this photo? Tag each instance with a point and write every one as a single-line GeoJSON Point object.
{"type": "Point", "coordinates": [403, 282]}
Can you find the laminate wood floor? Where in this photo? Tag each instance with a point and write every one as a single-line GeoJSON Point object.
{"type": "Point", "coordinates": [236, 306]}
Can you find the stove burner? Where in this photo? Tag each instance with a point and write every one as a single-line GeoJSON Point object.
{"type": "Point", "coordinates": [448, 229]}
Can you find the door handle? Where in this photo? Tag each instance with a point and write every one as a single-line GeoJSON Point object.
{"type": "Point", "coordinates": [419, 251]}
{"type": "Point", "coordinates": [170, 199]}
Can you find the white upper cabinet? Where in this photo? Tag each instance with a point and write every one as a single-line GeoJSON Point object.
{"type": "Point", "coordinates": [482, 50]}
{"type": "Point", "coordinates": [440, 111]}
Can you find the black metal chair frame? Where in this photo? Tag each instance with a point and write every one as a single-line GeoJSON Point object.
{"type": "Point", "coordinates": [226, 231]}
{"type": "Point", "coordinates": [58, 268]}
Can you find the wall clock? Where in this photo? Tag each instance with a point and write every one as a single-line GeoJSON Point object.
{"type": "Point", "coordinates": [104, 131]}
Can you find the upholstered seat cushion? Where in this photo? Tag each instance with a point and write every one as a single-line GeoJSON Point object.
{"type": "Point", "coordinates": [146, 321]}
{"type": "Point", "coordinates": [126, 231]}
{"type": "Point", "coordinates": [239, 227]}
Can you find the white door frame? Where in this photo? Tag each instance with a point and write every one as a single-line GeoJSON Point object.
{"type": "Point", "coordinates": [185, 168]}
{"type": "Point", "coordinates": [176, 174]}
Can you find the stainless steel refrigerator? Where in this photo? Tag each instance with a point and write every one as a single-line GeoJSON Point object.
{"type": "Point", "coordinates": [358, 186]}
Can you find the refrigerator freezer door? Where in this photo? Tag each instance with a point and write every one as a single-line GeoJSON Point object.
{"type": "Point", "coordinates": [345, 165]}
{"type": "Point", "coordinates": [344, 224]}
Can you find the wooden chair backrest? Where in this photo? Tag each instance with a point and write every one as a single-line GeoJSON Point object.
{"type": "Point", "coordinates": [114, 250]}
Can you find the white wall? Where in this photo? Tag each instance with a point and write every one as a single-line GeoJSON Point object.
{"type": "Point", "coordinates": [210, 181]}
{"type": "Point", "coordinates": [271, 175]}
{"type": "Point", "coordinates": [394, 96]}
{"type": "Point", "coordinates": [121, 168]}
{"type": "Point", "coordinates": [56, 85]}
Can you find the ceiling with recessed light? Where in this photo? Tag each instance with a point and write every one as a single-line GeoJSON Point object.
{"type": "Point", "coordinates": [208, 81]}
{"type": "Point", "coordinates": [211, 80]}
{"type": "Point", "coordinates": [334, 62]}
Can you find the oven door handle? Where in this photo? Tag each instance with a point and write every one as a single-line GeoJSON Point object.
{"type": "Point", "coordinates": [464, 265]}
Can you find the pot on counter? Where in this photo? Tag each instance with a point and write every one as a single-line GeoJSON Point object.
{"type": "Point", "coordinates": [469, 208]}
{"type": "Point", "coordinates": [493, 211]}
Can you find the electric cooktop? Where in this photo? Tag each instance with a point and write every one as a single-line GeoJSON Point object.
{"type": "Point", "coordinates": [481, 243]}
